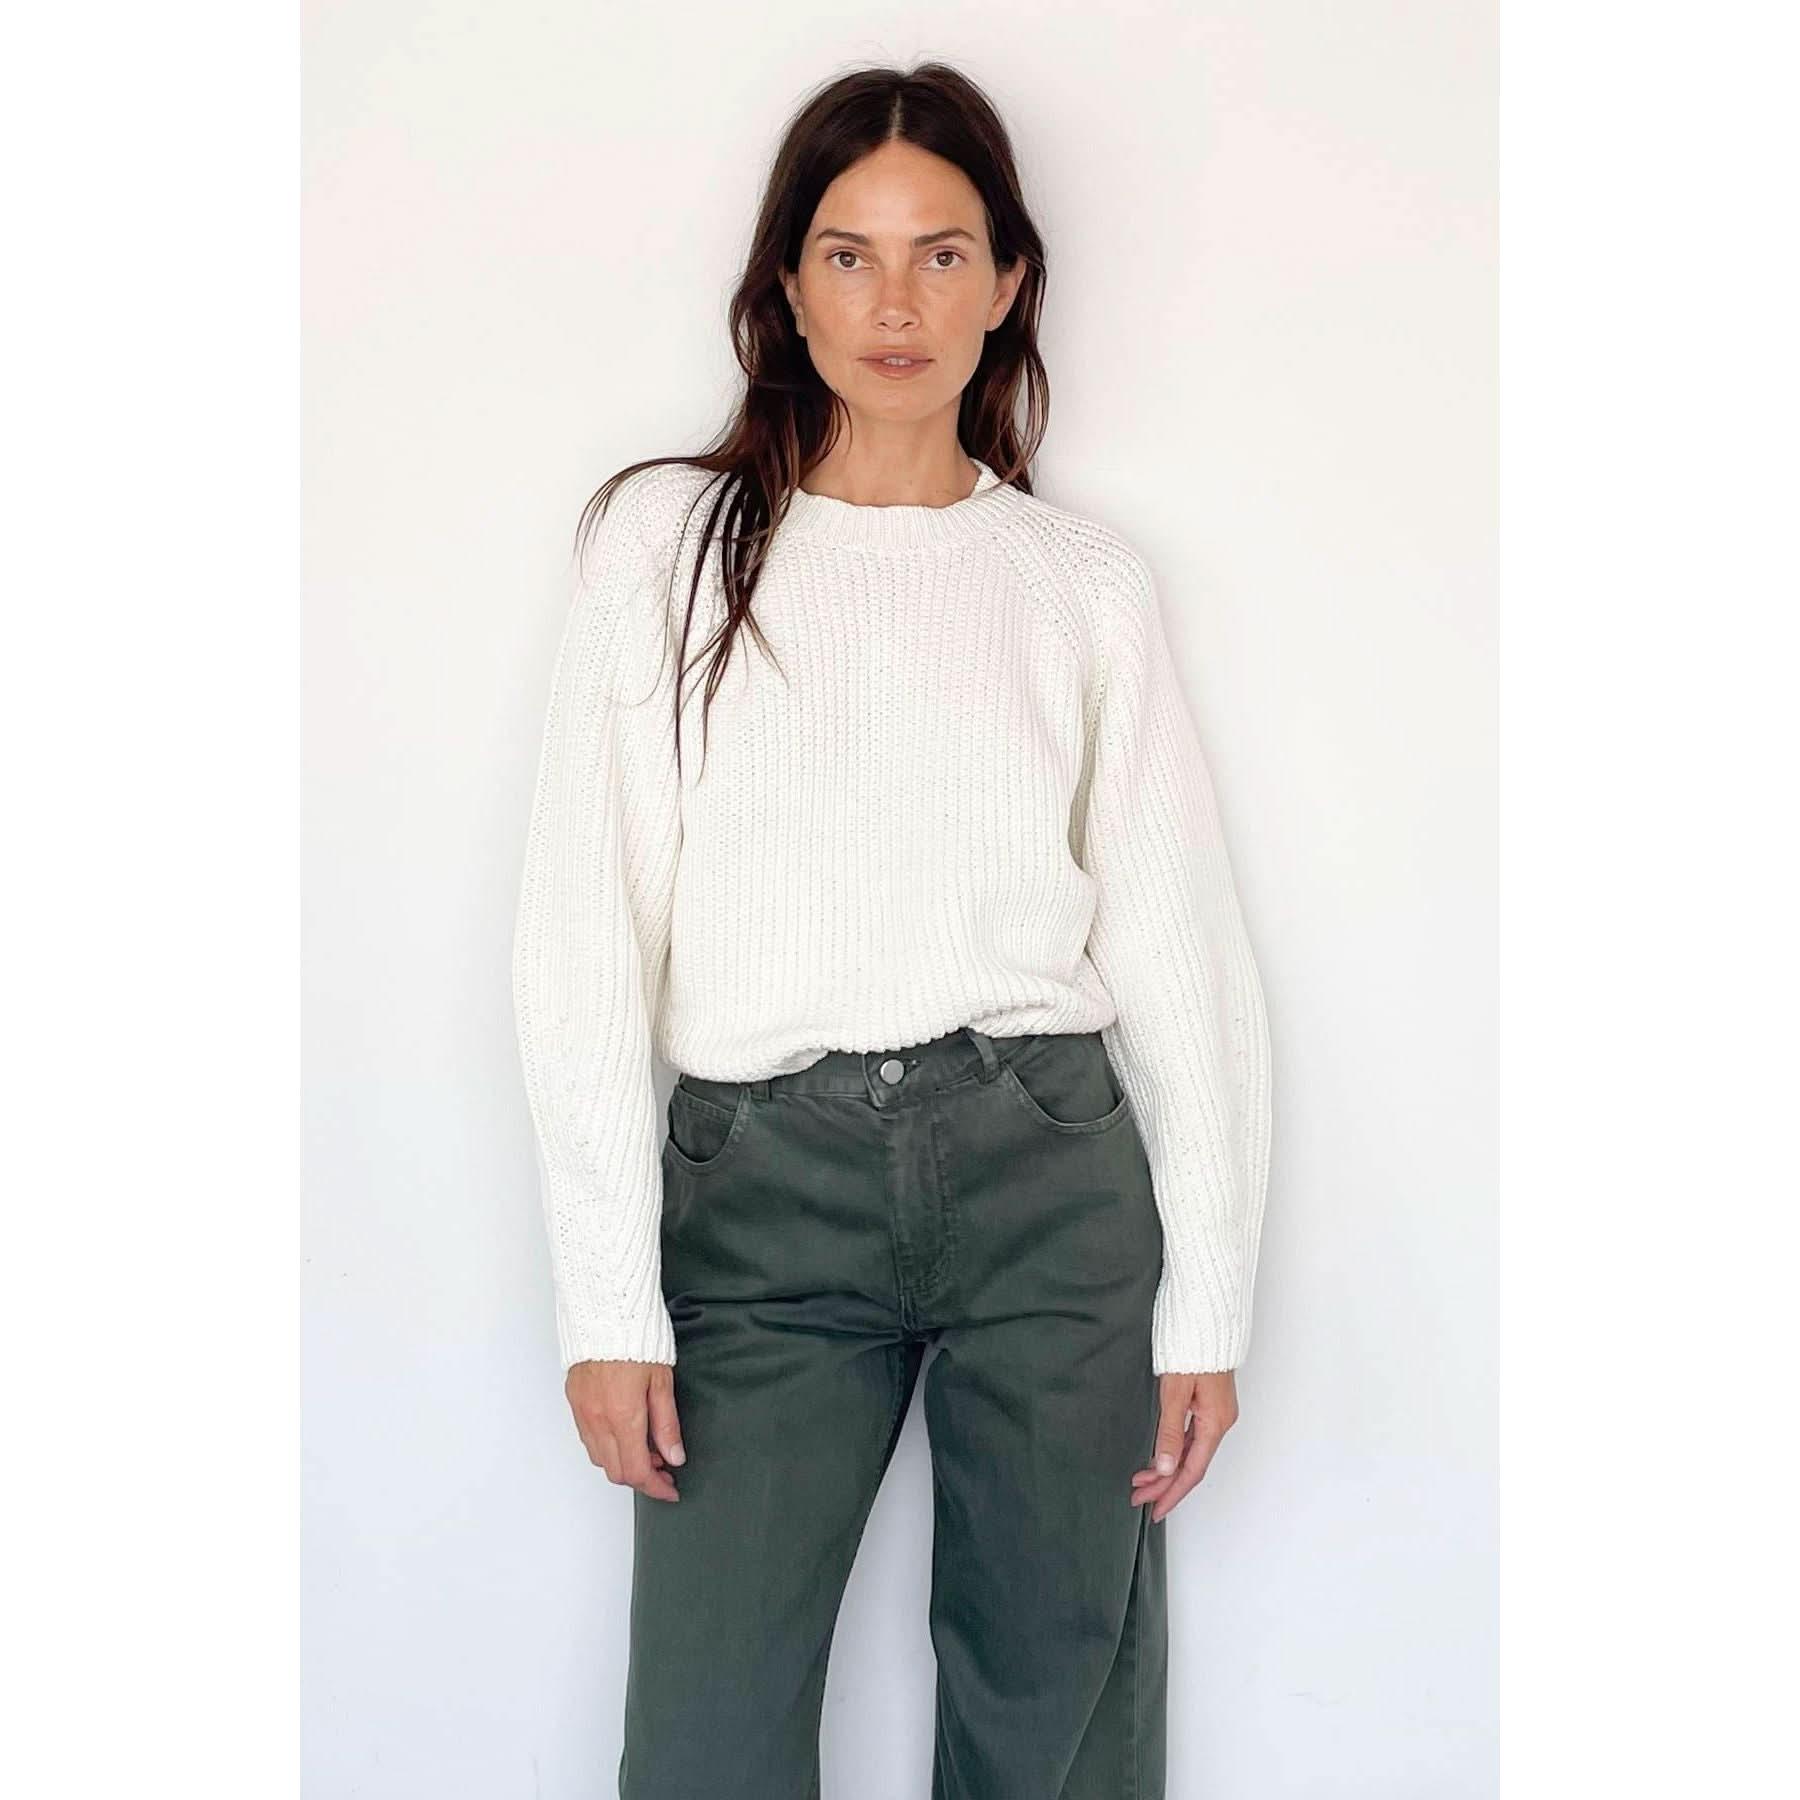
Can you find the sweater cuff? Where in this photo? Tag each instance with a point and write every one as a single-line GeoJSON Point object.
{"type": "Point", "coordinates": [1191, 1337]}
{"type": "Point", "coordinates": [650, 1338]}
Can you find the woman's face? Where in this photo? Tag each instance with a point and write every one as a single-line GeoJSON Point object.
{"type": "Point", "coordinates": [896, 262]}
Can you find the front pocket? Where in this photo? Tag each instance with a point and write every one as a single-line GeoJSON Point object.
{"type": "Point", "coordinates": [702, 1133]}
{"type": "Point", "coordinates": [1067, 1084]}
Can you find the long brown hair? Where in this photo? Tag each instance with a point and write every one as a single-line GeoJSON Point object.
{"type": "Point", "coordinates": [787, 418]}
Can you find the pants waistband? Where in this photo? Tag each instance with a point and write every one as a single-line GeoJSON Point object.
{"type": "Point", "coordinates": [883, 1076]}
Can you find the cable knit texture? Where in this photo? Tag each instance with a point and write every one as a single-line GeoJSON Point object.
{"type": "Point", "coordinates": [971, 794]}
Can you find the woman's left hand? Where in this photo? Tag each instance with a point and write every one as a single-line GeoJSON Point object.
{"type": "Point", "coordinates": [1183, 1451]}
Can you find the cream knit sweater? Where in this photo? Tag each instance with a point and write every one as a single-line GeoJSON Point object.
{"type": "Point", "coordinates": [978, 798]}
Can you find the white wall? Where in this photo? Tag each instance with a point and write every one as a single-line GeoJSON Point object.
{"type": "Point", "coordinates": [1271, 337]}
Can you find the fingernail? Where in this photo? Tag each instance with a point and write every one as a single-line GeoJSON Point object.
{"type": "Point", "coordinates": [1165, 1464]}
{"type": "Point", "coordinates": [677, 1454]}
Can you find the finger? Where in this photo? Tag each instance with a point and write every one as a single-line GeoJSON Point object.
{"type": "Point", "coordinates": [1173, 1419]}
{"type": "Point", "coordinates": [602, 1451]}
{"type": "Point", "coordinates": [665, 1422]}
{"type": "Point", "coordinates": [1187, 1476]}
{"type": "Point", "coordinates": [1171, 1431]}
{"type": "Point", "coordinates": [1148, 1485]}
{"type": "Point", "coordinates": [637, 1471]}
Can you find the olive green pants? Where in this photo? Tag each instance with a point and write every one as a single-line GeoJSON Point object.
{"type": "Point", "coordinates": [987, 1200]}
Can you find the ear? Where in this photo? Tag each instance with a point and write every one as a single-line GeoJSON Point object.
{"type": "Point", "coordinates": [790, 286]}
{"type": "Point", "coordinates": [1006, 293]}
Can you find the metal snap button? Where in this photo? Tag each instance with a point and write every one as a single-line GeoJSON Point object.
{"type": "Point", "coordinates": [892, 1069]}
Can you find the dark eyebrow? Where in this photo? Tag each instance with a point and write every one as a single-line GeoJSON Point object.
{"type": "Point", "coordinates": [918, 243]}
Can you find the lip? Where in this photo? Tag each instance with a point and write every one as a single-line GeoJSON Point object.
{"type": "Point", "coordinates": [918, 365]}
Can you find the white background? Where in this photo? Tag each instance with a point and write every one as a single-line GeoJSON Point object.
{"type": "Point", "coordinates": [1271, 338]}
{"type": "Point", "coordinates": [150, 942]}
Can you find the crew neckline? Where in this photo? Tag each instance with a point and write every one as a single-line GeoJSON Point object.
{"type": "Point", "coordinates": [822, 518]}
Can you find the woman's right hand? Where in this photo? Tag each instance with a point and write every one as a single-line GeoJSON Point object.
{"type": "Point", "coordinates": [625, 1412]}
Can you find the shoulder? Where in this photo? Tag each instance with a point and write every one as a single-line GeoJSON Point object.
{"type": "Point", "coordinates": [1103, 578]}
{"type": "Point", "coordinates": [651, 507]}
{"type": "Point", "coordinates": [625, 596]}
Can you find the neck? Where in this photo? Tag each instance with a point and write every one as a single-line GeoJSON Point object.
{"type": "Point", "coordinates": [874, 477]}
{"type": "Point", "coordinates": [827, 518]}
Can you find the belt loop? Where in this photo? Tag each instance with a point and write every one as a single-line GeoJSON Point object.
{"type": "Point", "coordinates": [760, 1089]}
{"type": "Point", "coordinates": [990, 1062]}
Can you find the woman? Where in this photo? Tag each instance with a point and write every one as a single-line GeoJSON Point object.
{"type": "Point", "coordinates": [939, 931]}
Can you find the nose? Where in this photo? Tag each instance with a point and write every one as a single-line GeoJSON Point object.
{"type": "Point", "coordinates": [897, 305]}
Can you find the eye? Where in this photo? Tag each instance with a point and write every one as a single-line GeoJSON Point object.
{"type": "Point", "coordinates": [956, 253]}
{"type": "Point", "coordinates": [835, 254]}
